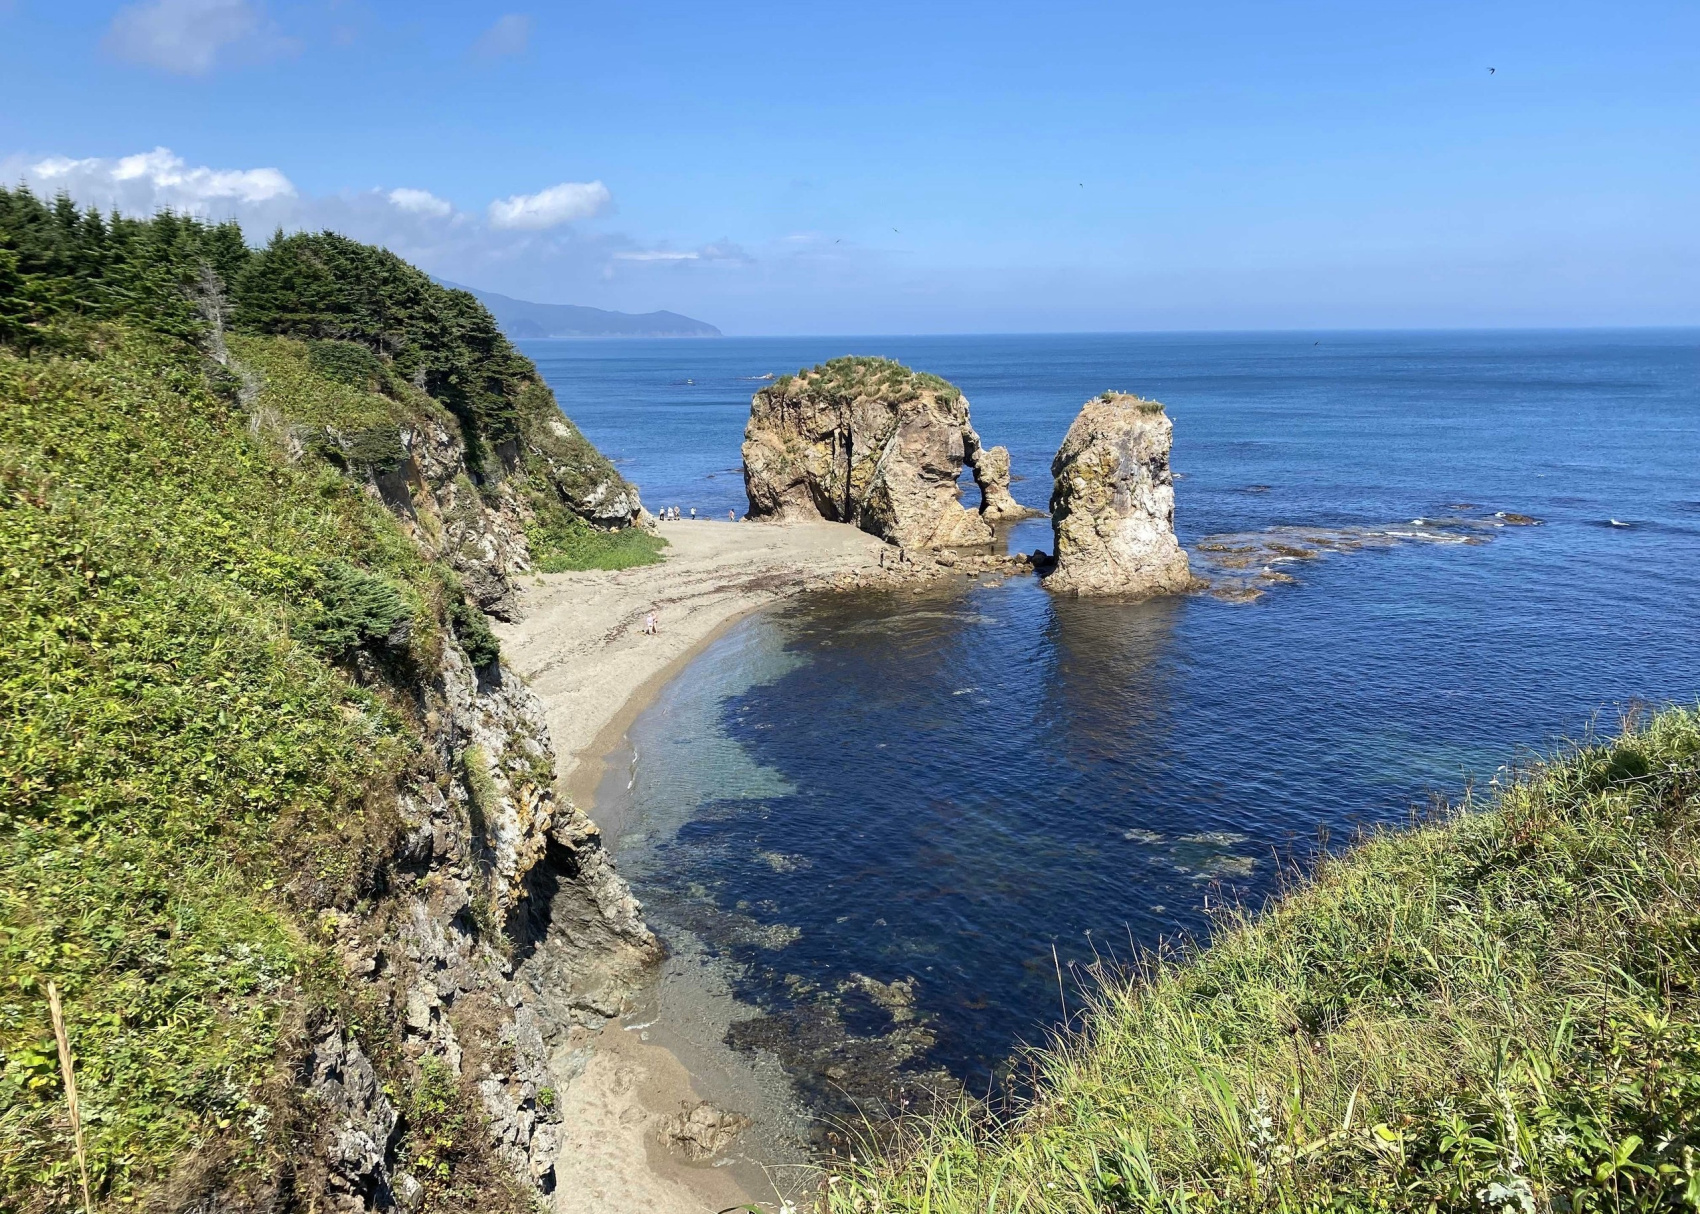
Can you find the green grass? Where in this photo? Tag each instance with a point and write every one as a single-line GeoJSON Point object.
{"type": "Point", "coordinates": [860, 376]}
{"type": "Point", "coordinates": [188, 772]}
{"type": "Point", "coordinates": [566, 543]}
{"type": "Point", "coordinates": [1498, 1011]}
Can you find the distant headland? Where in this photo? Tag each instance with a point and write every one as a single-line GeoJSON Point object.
{"type": "Point", "coordinates": [520, 318]}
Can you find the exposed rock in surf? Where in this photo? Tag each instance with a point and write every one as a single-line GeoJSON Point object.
{"type": "Point", "coordinates": [869, 442]}
{"type": "Point", "coordinates": [1113, 504]}
{"type": "Point", "coordinates": [1240, 566]}
{"type": "Point", "coordinates": [991, 474]}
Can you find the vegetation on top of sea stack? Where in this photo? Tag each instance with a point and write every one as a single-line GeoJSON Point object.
{"type": "Point", "coordinates": [1496, 1012]}
{"type": "Point", "coordinates": [860, 376]}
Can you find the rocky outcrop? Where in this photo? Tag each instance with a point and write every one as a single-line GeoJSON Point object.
{"type": "Point", "coordinates": [503, 936]}
{"type": "Point", "coordinates": [869, 442]}
{"type": "Point", "coordinates": [475, 517]}
{"type": "Point", "coordinates": [1113, 503]}
{"type": "Point", "coordinates": [991, 474]}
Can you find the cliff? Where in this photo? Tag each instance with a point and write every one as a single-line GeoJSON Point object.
{"type": "Point", "coordinates": [1113, 504]}
{"type": "Point", "coordinates": [869, 442]}
{"type": "Point", "coordinates": [274, 815]}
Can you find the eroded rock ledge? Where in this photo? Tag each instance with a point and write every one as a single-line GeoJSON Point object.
{"type": "Point", "coordinates": [869, 442]}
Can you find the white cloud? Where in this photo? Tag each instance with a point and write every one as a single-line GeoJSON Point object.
{"type": "Point", "coordinates": [721, 250]}
{"type": "Point", "coordinates": [190, 37]}
{"type": "Point", "coordinates": [421, 202]}
{"type": "Point", "coordinates": [151, 181]}
{"type": "Point", "coordinates": [509, 36]}
{"type": "Point", "coordinates": [551, 207]}
{"type": "Point", "coordinates": [563, 261]}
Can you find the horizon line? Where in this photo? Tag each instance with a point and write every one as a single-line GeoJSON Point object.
{"type": "Point", "coordinates": [1682, 327]}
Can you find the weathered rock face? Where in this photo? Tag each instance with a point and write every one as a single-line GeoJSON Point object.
{"type": "Point", "coordinates": [869, 442]}
{"type": "Point", "coordinates": [475, 518]}
{"type": "Point", "coordinates": [1113, 504]}
{"type": "Point", "coordinates": [503, 930]}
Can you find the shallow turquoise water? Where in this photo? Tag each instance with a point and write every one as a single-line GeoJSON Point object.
{"type": "Point", "coordinates": [935, 788]}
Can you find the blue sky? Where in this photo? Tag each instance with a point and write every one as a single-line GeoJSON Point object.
{"type": "Point", "coordinates": [879, 168]}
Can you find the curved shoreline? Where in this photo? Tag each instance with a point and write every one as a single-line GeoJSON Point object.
{"type": "Point", "coordinates": [580, 646]}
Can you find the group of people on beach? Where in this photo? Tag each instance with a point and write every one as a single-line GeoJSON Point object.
{"type": "Point", "coordinates": [670, 514]}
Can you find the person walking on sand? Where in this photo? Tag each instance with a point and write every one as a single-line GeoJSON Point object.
{"type": "Point", "coordinates": [649, 623]}
{"type": "Point", "coordinates": [693, 514]}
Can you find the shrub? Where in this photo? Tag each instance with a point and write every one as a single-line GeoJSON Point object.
{"type": "Point", "coordinates": [354, 608]}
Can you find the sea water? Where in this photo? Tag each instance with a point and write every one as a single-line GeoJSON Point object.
{"type": "Point", "coordinates": [904, 822]}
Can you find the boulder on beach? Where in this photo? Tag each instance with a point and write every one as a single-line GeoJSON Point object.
{"type": "Point", "coordinates": [869, 442]}
{"type": "Point", "coordinates": [1113, 504]}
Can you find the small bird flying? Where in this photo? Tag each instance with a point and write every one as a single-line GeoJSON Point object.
{"type": "Point", "coordinates": [1492, 70]}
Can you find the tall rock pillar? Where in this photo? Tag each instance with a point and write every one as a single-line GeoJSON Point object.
{"type": "Point", "coordinates": [1113, 504]}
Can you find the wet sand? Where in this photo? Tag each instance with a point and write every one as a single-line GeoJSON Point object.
{"type": "Point", "coordinates": [580, 645]}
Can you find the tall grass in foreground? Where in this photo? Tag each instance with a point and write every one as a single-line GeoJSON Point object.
{"type": "Point", "coordinates": [1495, 1012]}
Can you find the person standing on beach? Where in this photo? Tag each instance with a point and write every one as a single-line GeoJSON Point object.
{"type": "Point", "coordinates": [731, 516]}
{"type": "Point", "coordinates": [693, 514]}
{"type": "Point", "coordinates": [649, 628]}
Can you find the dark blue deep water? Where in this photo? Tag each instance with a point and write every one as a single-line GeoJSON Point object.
{"type": "Point", "coordinates": [932, 789]}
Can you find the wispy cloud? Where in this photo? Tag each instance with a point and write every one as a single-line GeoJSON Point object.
{"type": "Point", "coordinates": [510, 35]}
{"type": "Point", "coordinates": [421, 202]}
{"type": "Point", "coordinates": [191, 37]}
{"type": "Point", "coordinates": [551, 207]}
{"type": "Point", "coordinates": [720, 250]}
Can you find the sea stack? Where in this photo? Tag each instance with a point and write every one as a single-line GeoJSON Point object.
{"type": "Point", "coordinates": [1113, 504]}
{"type": "Point", "coordinates": [991, 474]}
{"type": "Point", "coordinates": [869, 442]}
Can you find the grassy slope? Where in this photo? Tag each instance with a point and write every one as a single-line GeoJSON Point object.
{"type": "Point", "coordinates": [1495, 1012]}
{"type": "Point", "coordinates": [187, 773]}
{"type": "Point", "coordinates": [566, 543]}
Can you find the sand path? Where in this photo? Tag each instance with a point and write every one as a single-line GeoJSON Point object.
{"type": "Point", "coordinates": [581, 647]}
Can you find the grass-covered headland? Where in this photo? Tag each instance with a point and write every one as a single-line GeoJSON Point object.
{"type": "Point", "coordinates": [1497, 1011]}
{"type": "Point", "coordinates": [219, 651]}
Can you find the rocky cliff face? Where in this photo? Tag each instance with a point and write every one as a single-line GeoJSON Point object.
{"type": "Point", "coordinates": [503, 926]}
{"type": "Point", "coordinates": [869, 442]}
{"type": "Point", "coordinates": [476, 519]}
{"type": "Point", "coordinates": [1113, 504]}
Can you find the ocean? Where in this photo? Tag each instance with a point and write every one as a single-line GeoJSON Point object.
{"type": "Point", "coordinates": [904, 823]}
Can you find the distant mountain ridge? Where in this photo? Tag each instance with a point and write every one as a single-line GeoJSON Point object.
{"type": "Point", "coordinates": [520, 318]}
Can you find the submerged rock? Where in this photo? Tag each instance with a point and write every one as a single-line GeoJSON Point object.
{"type": "Point", "coordinates": [869, 442]}
{"type": "Point", "coordinates": [1113, 504]}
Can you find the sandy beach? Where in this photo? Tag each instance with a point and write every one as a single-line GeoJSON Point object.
{"type": "Point", "coordinates": [580, 644]}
